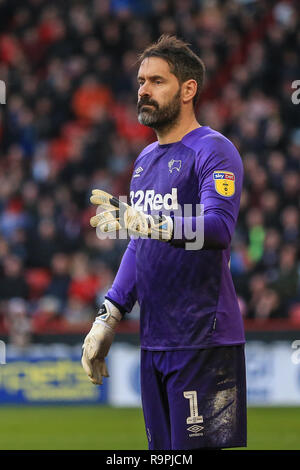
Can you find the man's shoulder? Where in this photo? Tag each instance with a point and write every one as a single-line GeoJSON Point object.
{"type": "Point", "coordinates": [205, 140]}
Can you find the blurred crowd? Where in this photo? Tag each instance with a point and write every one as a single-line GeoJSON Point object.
{"type": "Point", "coordinates": [69, 125]}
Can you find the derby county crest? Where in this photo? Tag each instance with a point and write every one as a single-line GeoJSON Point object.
{"type": "Point", "coordinates": [174, 165]}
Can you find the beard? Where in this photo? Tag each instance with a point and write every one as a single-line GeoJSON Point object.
{"type": "Point", "coordinates": [159, 117]}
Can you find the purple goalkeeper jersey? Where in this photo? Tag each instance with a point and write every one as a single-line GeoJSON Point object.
{"type": "Point", "coordinates": [186, 296]}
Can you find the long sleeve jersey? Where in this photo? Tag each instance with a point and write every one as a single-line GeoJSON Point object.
{"type": "Point", "coordinates": [185, 292]}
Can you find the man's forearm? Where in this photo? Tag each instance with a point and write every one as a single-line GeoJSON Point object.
{"type": "Point", "coordinates": [216, 234]}
{"type": "Point", "coordinates": [123, 290]}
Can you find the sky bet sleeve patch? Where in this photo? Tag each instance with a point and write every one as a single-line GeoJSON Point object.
{"type": "Point", "coordinates": [224, 183]}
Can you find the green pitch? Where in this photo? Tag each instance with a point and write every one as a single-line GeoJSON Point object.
{"type": "Point", "coordinates": [108, 428]}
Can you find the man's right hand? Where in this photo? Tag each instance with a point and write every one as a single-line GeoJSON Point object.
{"type": "Point", "coordinates": [98, 342]}
{"type": "Point", "coordinates": [118, 215]}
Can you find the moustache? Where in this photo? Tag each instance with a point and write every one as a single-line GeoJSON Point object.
{"type": "Point", "coordinates": [146, 101]}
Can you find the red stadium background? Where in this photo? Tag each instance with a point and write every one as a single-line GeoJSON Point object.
{"type": "Point", "coordinates": [69, 125]}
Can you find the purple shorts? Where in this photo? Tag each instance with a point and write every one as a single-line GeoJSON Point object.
{"type": "Point", "coordinates": [194, 399]}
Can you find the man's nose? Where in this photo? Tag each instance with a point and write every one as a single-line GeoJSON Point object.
{"type": "Point", "coordinates": [144, 90]}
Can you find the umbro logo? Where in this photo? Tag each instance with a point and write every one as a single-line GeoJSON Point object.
{"type": "Point", "coordinates": [195, 428]}
{"type": "Point", "coordinates": [138, 172]}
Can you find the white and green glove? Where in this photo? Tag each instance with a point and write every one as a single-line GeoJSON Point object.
{"type": "Point", "coordinates": [98, 342]}
{"type": "Point", "coordinates": [118, 215]}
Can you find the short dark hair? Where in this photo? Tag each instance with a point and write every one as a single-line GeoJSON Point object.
{"type": "Point", "coordinates": [183, 62]}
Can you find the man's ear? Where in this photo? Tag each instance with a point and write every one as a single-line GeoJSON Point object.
{"type": "Point", "coordinates": [189, 90]}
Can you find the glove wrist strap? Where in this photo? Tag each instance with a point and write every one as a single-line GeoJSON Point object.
{"type": "Point", "coordinates": [108, 314]}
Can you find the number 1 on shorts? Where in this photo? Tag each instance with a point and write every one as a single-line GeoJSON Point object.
{"type": "Point", "coordinates": [194, 416]}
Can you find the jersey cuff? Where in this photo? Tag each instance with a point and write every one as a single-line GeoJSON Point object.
{"type": "Point", "coordinates": [123, 311]}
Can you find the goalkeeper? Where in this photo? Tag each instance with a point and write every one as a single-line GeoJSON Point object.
{"type": "Point", "coordinates": [176, 264]}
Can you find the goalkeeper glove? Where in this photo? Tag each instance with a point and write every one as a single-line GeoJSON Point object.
{"type": "Point", "coordinates": [119, 215]}
{"type": "Point", "coordinates": [98, 342]}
